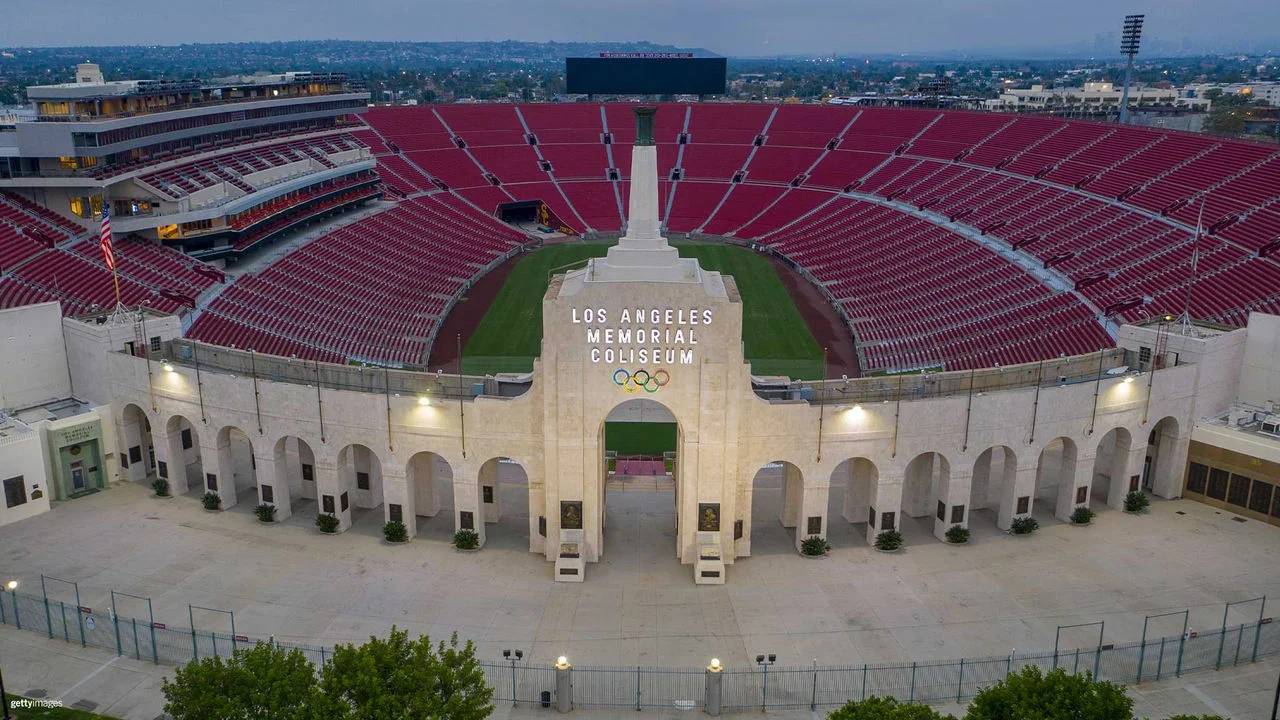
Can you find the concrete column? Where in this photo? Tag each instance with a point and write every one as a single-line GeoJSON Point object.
{"type": "Point", "coordinates": [714, 691]}
{"type": "Point", "coordinates": [396, 491]}
{"type": "Point", "coordinates": [423, 469]}
{"type": "Point", "coordinates": [792, 492]}
{"type": "Point", "coordinates": [271, 474]}
{"type": "Point", "coordinates": [131, 436]}
{"type": "Point", "coordinates": [169, 447]}
{"type": "Point", "coordinates": [1170, 466]}
{"type": "Point", "coordinates": [211, 464]}
{"type": "Point", "coordinates": [885, 498]}
{"type": "Point", "coordinates": [813, 504]}
{"type": "Point", "coordinates": [467, 498]}
{"type": "Point", "coordinates": [329, 489]}
{"type": "Point", "coordinates": [953, 492]}
{"type": "Point", "coordinates": [1123, 467]}
{"type": "Point", "coordinates": [1080, 477]}
{"type": "Point", "coordinates": [489, 488]}
{"type": "Point", "coordinates": [858, 484]}
{"type": "Point", "coordinates": [564, 688]}
{"type": "Point", "coordinates": [1019, 484]}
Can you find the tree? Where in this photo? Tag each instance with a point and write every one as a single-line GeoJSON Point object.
{"type": "Point", "coordinates": [878, 708]}
{"type": "Point", "coordinates": [396, 677]}
{"type": "Point", "coordinates": [260, 682]}
{"type": "Point", "coordinates": [1056, 695]}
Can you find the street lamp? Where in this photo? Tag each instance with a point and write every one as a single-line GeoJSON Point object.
{"type": "Point", "coordinates": [512, 656]}
{"type": "Point", "coordinates": [11, 586]}
{"type": "Point", "coordinates": [764, 661]}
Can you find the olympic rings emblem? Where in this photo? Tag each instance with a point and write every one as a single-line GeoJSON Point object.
{"type": "Point", "coordinates": [632, 382]}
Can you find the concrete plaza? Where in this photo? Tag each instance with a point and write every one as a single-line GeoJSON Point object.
{"type": "Point", "coordinates": [639, 606]}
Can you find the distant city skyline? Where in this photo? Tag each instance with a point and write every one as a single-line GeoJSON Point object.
{"type": "Point", "coordinates": [742, 28]}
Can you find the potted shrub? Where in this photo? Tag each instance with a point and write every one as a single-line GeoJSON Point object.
{"type": "Point", "coordinates": [266, 512]}
{"type": "Point", "coordinates": [1081, 516]}
{"type": "Point", "coordinates": [466, 540]}
{"type": "Point", "coordinates": [814, 546]}
{"type": "Point", "coordinates": [211, 501]}
{"type": "Point", "coordinates": [395, 532]}
{"type": "Point", "coordinates": [161, 486]}
{"type": "Point", "coordinates": [327, 523]}
{"type": "Point", "coordinates": [1136, 502]}
{"type": "Point", "coordinates": [1024, 525]}
{"type": "Point", "coordinates": [957, 535]}
{"type": "Point", "coordinates": [889, 541]}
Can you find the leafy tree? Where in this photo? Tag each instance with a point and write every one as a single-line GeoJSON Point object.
{"type": "Point", "coordinates": [878, 708]}
{"type": "Point", "coordinates": [396, 677]}
{"type": "Point", "coordinates": [1056, 695]}
{"type": "Point", "coordinates": [261, 682]}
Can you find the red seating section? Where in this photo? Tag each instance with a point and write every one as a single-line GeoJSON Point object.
{"type": "Point", "coordinates": [27, 228]}
{"type": "Point", "coordinates": [181, 180]}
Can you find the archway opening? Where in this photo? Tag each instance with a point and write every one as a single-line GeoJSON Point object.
{"type": "Point", "coordinates": [504, 496]}
{"type": "Point", "coordinates": [293, 488]}
{"type": "Point", "coordinates": [138, 453]}
{"type": "Point", "coordinates": [1056, 484]}
{"type": "Point", "coordinates": [184, 468]}
{"type": "Point", "coordinates": [640, 494]}
{"type": "Point", "coordinates": [991, 494]}
{"type": "Point", "coordinates": [853, 485]}
{"type": "Point", "coordinates": [1112, 471]}
{"type": "Point", "coordinates": [360, 488]}
{"type": "Point", "coordinates": [1162, 471]}
{"type": "Point", "coordinates": [236, 479]}
{"type": "Point", "coordinates": [777, 492]}
{"type": "Point", "coordinates": [428, 508]}
{"type": "Point", "coordinates": [927, 507]}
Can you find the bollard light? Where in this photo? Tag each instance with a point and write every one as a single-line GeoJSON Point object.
{"type": "Point", "coordinates": [562, 663]}
{"type": "Point", "coordinates": [168, 366]}
{"type": "Point", "coordinates": [423, 400]}
{"type": "Point", "coordinates": [715, 666]}
{"type": "Point", "coordinates": [11, 586]}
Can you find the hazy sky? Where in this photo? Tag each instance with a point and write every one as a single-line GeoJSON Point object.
{"type": "Point", "coordinates": [728, 27]}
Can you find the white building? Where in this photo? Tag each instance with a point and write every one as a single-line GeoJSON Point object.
{"type": "Point", "coordinates": [1092, 95]}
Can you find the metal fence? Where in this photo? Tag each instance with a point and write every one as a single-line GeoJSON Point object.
{"type": "Point", "coordinates": [639, 686]}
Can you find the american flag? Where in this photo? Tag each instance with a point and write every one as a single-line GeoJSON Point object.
{"type": "Point", "coordinates": [104, 240]}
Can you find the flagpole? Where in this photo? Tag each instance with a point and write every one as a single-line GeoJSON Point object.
{"type": "Point", "coordinates": [1195, 261]}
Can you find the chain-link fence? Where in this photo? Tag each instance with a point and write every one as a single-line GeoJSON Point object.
{"type": "Point", "coordinates": [762, 688]}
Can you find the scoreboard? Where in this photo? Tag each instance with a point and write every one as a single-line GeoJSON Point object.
{"type": "Point", "coordinates": [645, 74]}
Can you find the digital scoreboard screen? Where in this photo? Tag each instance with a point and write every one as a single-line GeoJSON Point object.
{"type": "Point", "coordinates": [645, 74]}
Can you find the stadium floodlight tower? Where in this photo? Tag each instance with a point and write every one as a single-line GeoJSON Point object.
{"type": "Point", "coordinates": [1129, 41]}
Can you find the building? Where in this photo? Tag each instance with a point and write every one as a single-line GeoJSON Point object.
{"type": "Point", "coordinates": [1094, 95]}
{"type": "Point", "coordinates": [209, 167]}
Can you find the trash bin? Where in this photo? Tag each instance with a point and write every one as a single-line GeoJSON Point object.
{"type": "Point", "coordinates": [546, 698]}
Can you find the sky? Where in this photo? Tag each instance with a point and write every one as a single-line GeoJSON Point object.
{"type": "Point", "coordinates": [728, 27]}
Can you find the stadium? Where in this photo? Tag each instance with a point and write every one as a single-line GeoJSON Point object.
{"type": "Point", "coordinates": [851, 320]}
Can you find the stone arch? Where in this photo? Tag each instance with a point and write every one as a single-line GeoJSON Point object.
{"type": "Point", "coordinates": [777, 491]}
{"type": "Point", "coordinates": [1114, 463]}
{"type": "Point", "coordinates": [183, 465]}
{"type": "Point", "coordinates": [929, 491]}
{"type": "Point", "coordinates": [293, 480]}
{"type": "Point", "coordinates": [506, 501]}
{"type": "Point", "coordinates": [857, 478]}
{"type": "Point", "coordinates": [137, 449]}
{"type": "Point", "coordinates": [236, 472]}
{"type": "Point", "coordinates": [995, 486]}
{"type": "Point", "coordinates": [1060, 480]}
{"type": "Point", "coordinates": [637, 507]}
{"type": "Point", "coordinates": [359, 480]}
{"type": "Point", "coordinates": [1165, 459]}
{"type": "Point", "coordinates": [428, 490]}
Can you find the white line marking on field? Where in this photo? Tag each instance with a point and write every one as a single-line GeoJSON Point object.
{"type": "Point", "coordinates": [1209, 702]}
{"type": "Point", "coordinates": [86, 678]}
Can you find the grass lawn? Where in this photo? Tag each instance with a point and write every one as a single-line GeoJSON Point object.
{"type": "Point", "coordinates": [639, 438]}
{"type": "Point", "coordinates": [20, 713]}
{"type": "Point", "coordinates": [777, 340]}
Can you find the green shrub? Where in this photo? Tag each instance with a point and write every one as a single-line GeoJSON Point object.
{"type": "Point", "coordinates": [815, 545]}
{"type": "Point", "coordinates": [957, 534]}
{"type": "Point", "coordinates": [1049, 696]}
{"type": "Point", "coordinates": [1136, 501]}
{"type": "Point", "coordinates": [211, 501]}
{"type": "Point", "coordinates": [886, 708]}
{"type": "Point", "coordinates": [889, 540]}
{"type": "Point", "coordinates": [327, 522]}
{"type": "Point", "coordinates": [161, 486]}
{"type": "Point", "coordinates": [1082, 515]}
{"type": "Point", "coordinates": [395, 532]}
{"type": "Point", "coordinates": [1024, 525]}
{"type": "Point", "coordinates": [266, 512]}
{"type": "Point", "coordinates": [466, 539]}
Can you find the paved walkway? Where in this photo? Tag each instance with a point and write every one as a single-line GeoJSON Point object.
{"type": "Point", "coordinates": [126, 688]}
{"type": "Point", "coordinates": [640, 606]}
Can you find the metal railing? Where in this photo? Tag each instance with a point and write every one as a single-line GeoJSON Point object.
{"type": "Point", "coordinates": [640, 686]}
{"type": "Point", "coordinates": [1048, 373]}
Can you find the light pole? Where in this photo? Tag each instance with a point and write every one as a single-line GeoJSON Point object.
{"type": "Point", "coordinates": [512, 656]}
{"type": "Point", "coordinates": [764, 661]}
{"type": "Point", "coordinates": [1130, 38]}
{"type": "Point", "coordinates": [11, 586]}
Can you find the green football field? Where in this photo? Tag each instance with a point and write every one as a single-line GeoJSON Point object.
{"type": "Point", "coordinates": [775, 335]}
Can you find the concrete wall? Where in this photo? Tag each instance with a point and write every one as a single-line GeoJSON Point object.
{"type": "Point", "coordinates": [33, 360]}
{"type": "Point", "coordinates": [88, 342]}
{"type": "Point", "coordinates": [22, 455]}
{"type": "Point", "coordinates": [1260, 373]}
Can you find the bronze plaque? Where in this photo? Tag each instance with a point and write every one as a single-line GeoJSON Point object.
{"type": "Point", "coordinates": [708, 517]}
{"type": "Point", "coordinates": [570, 514]}
{"type": "Point", "coordinates": [466, 520]}
{"type": "Point", "coordinates": [814, 525]}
